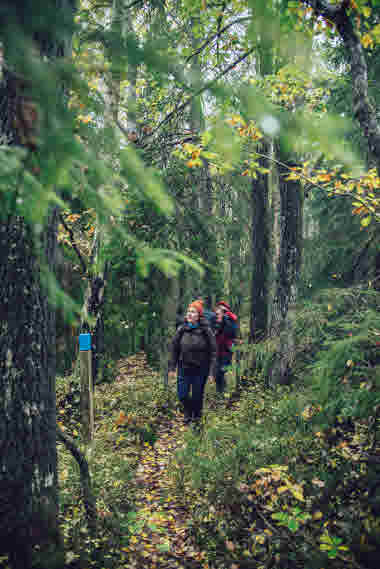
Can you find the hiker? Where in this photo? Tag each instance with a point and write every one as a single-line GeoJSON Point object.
{"type": "Point", "coordinates": [225, 333]}
{"type": "Point", "coordinates": [193, 351]}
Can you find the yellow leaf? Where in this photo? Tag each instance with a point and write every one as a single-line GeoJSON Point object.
{"type": "Point", "coordinates": [282, 489]}
{"type": "Point", "coordinates": [365, 221]}
{"type": "Point", "coordinates": [366, 11]}
{"type": "Point", "coordinates": [292, 176]}
{"type": "Point", "coordinates": [268, 532]}
{"type": "Point", "coordinates": [366, 41]}
{"type": "Point", "coordinates": [317, 515]}
{"type": "Point", "coordinates": [63, 475]}
{"type": "Point", "coordinates": [297, 492]}
{"type": "Point", "coordinates": [325, 547]}
{"type": "Point", "coordinates": [324, 177]}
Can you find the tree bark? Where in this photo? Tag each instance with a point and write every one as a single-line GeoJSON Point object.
{"type": "Point", "coordinates": [261, 256]}
{"type": "Point", "coordinates": [92, 319]}
{"type": "Point", "coordinates": [28, 469]}
{"type": "Point", "coordinates": [28, 474]}
{"type": "Point", "coordinates": [287, 276]}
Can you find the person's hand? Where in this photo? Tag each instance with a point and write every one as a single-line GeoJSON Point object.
{"type": "Point", "coordinates": [171, 375]}
{"type": "Point", "coordinates": [211, 377]}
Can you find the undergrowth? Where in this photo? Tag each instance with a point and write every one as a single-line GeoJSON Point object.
{"type": "Point", "coordinates": [284, 477]}
{"type": "Point", "coordinates": [289, 476]}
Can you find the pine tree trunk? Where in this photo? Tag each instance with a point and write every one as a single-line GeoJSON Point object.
{"type": "Point", "coordinates": [261, 256]}
{"type": "Point", "coordinates": [28, 469]}
{"type": "Point", "coordinates": [289, 263]}
{"type": "Point", "coordinates": [28, 474]}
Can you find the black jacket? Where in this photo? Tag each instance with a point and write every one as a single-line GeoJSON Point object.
{"type": "Point", "coordinates": [194, 347]}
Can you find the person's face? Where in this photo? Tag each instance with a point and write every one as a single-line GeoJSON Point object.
{"type": "Point", "coordinates": [219, 314]}
{"type": "Point", "coordinates": [192, 315]}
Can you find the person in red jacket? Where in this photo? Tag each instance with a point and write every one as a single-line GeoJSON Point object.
{"type": "Point", "coordinates": [225, 333]}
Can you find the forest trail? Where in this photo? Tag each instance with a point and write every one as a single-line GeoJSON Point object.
{"type": "Point", "coordinates": [161, 537]}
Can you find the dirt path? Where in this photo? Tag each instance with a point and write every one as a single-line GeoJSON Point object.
{"type": "Point", "coordinates": [162, 538]}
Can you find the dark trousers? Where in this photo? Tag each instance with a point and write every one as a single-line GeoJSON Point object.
{"type": "Point", "coordinates": [221, 367]}
{"type": "Point", "coordinates": [193, 380]}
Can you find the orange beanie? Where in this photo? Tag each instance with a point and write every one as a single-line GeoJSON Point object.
{"type": "Point", "coordinates": [198, 305]}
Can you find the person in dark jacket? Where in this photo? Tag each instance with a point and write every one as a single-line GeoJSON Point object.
{"type": "Point", "coordinates": [193, 352]}
{"type": "Point", "coordinates": [225, 334]}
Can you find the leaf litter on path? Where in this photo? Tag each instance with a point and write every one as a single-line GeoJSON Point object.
{"type": "Point", "coordinates": [162, 539]}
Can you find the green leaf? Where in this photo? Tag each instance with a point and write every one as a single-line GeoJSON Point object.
{"type": "Point", "coordinates": [164, 546]}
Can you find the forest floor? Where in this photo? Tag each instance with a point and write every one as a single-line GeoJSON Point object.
{"type": "Point", "coordinates": [163, 538]}
{"type": "Point", "coordinates": [136, 469]}
{"type": "Point", "coordinates": [172, 497]}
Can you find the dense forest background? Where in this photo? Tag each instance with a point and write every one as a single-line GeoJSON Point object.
{"type": "Point", "coordinates": [153, 152]}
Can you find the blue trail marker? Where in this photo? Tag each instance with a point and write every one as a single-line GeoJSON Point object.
{"type": "Point", "coordinates": [84, 342]}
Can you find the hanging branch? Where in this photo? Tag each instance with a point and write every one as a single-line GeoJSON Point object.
{"type": "Point", "coordinates": [346, 193]}
{"type": "Point", "coordinates": [216, 35]}
{"type": "Point", "coordinates": [73, 244]}
{"type": "Point", "coordinates": [206, 86]}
